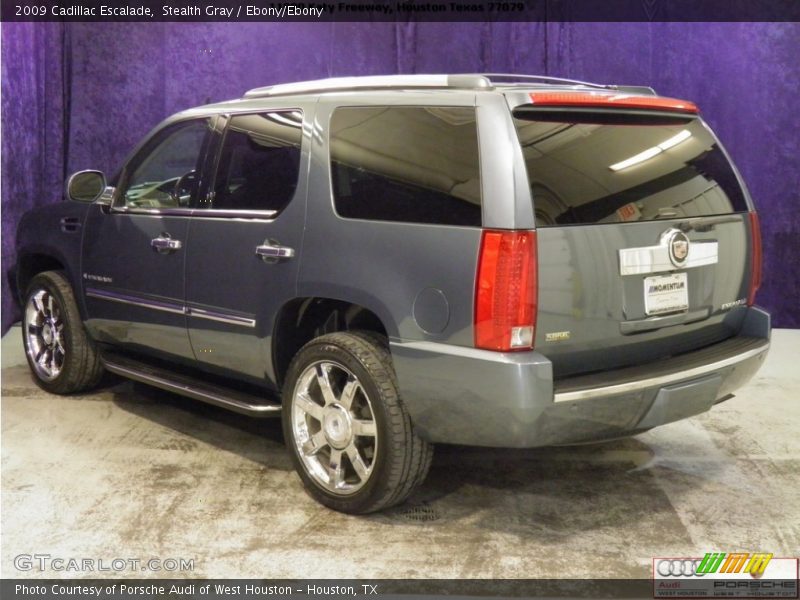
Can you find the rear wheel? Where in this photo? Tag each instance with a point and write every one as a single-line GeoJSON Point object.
{"type": "Point", "coordinates": [345, 425]}
{"type": "Point", "coordinates": [62, 357]}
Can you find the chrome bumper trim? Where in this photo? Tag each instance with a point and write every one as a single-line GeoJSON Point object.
{"type": "Point", "coordinates": [655, 259]}
{"type": "Point", "coordinates": [660, 380]}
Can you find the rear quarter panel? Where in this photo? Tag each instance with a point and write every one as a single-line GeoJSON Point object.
{"type": "Point", "coordinates": [418, 279]}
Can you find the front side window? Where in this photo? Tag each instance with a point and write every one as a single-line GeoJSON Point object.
{"type": "Point", "coordinates": [166, 172]}
{"type": "Point", "coordinates": [406, 164]}
{"type": "Point", "coordinates": [260, 162]}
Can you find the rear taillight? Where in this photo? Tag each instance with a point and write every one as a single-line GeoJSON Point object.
{"type": "Point", "coordinates": [505, 295]}
{"type": "Point", "coordinates": [755, 258]}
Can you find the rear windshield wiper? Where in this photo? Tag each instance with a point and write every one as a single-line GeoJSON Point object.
{"type": "Point", "coordinates": [707, 223]}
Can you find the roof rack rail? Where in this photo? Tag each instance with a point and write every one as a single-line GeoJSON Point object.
{"type": "Point", "coordinates": [458, 81]}
{"type": "Point", "coordinates": [468, 81]}
{"type": "Point", "coordinates": [494, 77]}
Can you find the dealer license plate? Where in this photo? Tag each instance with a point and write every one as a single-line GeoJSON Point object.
{"type": "Point", "coordinates": [666, 293]}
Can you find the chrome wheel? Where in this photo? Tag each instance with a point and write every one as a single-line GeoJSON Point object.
{"type": "Point", "coordinates": [44, 334]}
{"type": "Point", "coordinates": [334, 427]}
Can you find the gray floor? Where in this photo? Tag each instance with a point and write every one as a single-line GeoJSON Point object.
{"type": "Point", "coordinates": [133, 472]}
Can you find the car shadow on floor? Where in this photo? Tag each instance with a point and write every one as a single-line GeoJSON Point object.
{"type": "Point", "coordinates": [555, 491]}
{"type": "Point", "coordinates": [257, 439]}
{"type": "Point", "coordinates": [557, 494]}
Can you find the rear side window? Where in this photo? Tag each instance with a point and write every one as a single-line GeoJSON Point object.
{"type": "Point", "coordinates": [260, 162]}
{"type": "Point", "coordinates": [612, 167]}
{"type": "Point", "coordinates": [407, 164]}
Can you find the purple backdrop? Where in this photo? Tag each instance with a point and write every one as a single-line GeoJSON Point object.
{"type": "Point", "coordinates": [108, 84]}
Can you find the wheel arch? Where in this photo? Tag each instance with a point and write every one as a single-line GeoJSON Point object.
{"type": "Point", "coordinates": [302, 319]}
{"type": "Point", "coordinates": [31, 263]}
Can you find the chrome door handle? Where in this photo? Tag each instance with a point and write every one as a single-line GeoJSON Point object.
{"type": "Point", "coordinates": [271, 252]}
{"type": "Point", "coordinates": [165, 244]}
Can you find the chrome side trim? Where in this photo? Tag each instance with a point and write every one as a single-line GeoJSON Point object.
{"type": "Point", "coordinates": [211, 315]}
{"type": "Point", "coordinates": [206, 213]}
{"type": "Point", "coordinates": [210, 213]}
{"type": "Point", "coordinates": [659, 381]}
{"type": "Point", "coordinates": [217, 399]}
{"type": "Point", "coordinates": [655, 259]}
{"type": "Point", "coordinates": [157, 212]}
{"type": "Point", "coordinates": [169, 307]}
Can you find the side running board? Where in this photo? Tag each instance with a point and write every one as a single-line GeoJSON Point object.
{"type": "Point", "coordinates": [228, 398]}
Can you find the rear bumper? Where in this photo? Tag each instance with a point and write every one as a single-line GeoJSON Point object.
{"type": "Point", "coordinates": [466, 396]}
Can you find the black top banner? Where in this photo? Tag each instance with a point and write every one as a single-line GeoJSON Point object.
{"type": "Point", "coordinates": [400, 10]}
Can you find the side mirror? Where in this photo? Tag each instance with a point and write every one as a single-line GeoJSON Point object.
{"type": "Point", "coordinates": [86, 186]}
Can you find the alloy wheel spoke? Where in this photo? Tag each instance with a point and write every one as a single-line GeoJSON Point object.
{"type": "Point", "coordinates": [364, 427]}
{"type": "Point", "coordinates": [307, 405]}
{"type": "Point", "coordinates": [50, 305]}
{"type": "Point", "coordinates": [336, 468]}
{"type": "Point", "coordinates": [358, 463]}
{"type": "Point", "coordinates": [324, 381]}
{"type": "Point", "coordinates": [38, 305]}
{"type": "Point", "coordinates": [315, 443]}
{"type": "Point", "coordinates": [43, 359]}
{"type": "Point", "coordinates": [349, 392]}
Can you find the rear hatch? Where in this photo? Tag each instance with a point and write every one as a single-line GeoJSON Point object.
{"type": "Point", "coordinates": [643, 230]}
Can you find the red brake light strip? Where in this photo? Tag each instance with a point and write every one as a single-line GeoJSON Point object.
{"type": "Point", "coordinates": [590, 99]}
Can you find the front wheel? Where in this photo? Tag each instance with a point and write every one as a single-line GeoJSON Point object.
{"type": "Point", "coordinates": [350, 437]}
{"type": "Point", "coordinates": [62, 357]}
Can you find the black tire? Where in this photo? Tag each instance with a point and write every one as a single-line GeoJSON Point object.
{"type": "Point", "coordinates": [79, 368]}
{"type": "Point", "coordinates": [400, 459]}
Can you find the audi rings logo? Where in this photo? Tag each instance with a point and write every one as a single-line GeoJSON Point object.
{"type": "Point", "coordinates": [683, 567]}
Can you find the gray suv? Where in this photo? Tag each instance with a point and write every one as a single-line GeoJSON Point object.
{"type": "Point", "coordinates": [393, 262]}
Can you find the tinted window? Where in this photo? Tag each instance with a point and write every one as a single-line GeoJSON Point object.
{"type": "Point", "coordinates": [260, 162]}
{"type": "Point", "coordinates": [610, 168]}
{"type": "Point", "coordinates": [406, 164]}
{"type": "Point", "coordinates": [164, 174]}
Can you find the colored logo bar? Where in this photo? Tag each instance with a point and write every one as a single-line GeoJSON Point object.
{"type": "Point", "coordinates": [735, 562]}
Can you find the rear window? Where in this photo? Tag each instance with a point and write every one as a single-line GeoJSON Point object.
{"type": "Point", "coordinates": [611, 167]}
{"type": "Point", "coordinates": [407, 164]}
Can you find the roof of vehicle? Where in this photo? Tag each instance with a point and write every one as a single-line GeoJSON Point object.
{"type": "Point", "coordinates": [517, 89]}
{"type": "Point", "coordinates": [462, 81]}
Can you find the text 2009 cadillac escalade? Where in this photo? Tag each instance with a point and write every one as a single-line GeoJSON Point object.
{"type": "Point", "coordinates": [393, 262]}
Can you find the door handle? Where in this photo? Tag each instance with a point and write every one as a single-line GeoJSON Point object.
{"type": "Point", "coordinates": [271, 252]}
{"type": "Point", "coordinates": [164, 244]}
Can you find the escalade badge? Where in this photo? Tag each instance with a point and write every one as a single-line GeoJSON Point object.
{"type": "Point", "coordinates": [678, 245]}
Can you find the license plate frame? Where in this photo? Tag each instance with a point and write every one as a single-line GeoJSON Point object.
{"type": "Point", "coordinates": [664, 294]}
